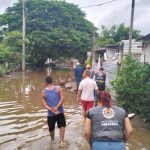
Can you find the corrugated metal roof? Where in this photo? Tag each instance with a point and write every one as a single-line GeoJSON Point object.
{"type": "Point", "coordinates": [100, 49]}
{"type": "Point", "coordinates": [145, 38]}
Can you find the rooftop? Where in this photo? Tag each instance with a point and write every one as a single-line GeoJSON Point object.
{"type": "Point", "coordinates": [145, 38]}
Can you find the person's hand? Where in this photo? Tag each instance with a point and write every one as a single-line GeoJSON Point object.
{"type": "Point", "coordinates": [56, 111]}
{"type": "Point", "coordinates": [52, 110]}
{"type": "Point", "coordinates": [55, 108]}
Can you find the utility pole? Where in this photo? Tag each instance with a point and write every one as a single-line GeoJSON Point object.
{"type": "Point", "coordinates": [94, 49]}
{"type": "Point", "coordinates": [131, 26]}
{"type": "Point", "coordinates": [23, 35]}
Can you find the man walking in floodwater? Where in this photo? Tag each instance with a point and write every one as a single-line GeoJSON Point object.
{"type": "Point", "coordinates": [100, 79]}
{"type": "Point", "coordinates": [78, 74]}
{"type": "Point", "coordinates": [52, 100]}
{"type": "Point", "coordinates": [86, 92]}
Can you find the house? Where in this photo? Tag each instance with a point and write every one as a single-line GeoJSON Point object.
{"type": "Point", "coordinates": [136, 49]}
{"type": "Point", "coordinates": [118, 51]}
{"type": "Point", "coordinates": [99, 52]}
{"type": "Point", "coordinates": [98, 55]}
{"type": "Point", "coordinates": [145, 48]}
{"type": "Point", "coordinates": [112, 51]}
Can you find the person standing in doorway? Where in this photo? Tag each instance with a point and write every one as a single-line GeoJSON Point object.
{"type": "Point", "coordinates": [78, 73]}
{"type": "Point", "coordinates": [52, 100]}
{"type": "Point", "coordinates": [85, 93]}
{"type": "Point", "coordinates": [100, 79]}
{"type": "Point", "coordinates": [107, 126]}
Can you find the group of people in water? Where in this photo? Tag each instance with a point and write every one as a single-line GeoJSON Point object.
{"type": "Point", "coordinates": [107, 127]}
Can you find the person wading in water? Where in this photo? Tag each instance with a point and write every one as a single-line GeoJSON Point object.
{"type": "Point", "coordinates": [86, 92]}
{"type": "Point", "coordinates": [52, 100]}
{"type": "Point", "coordinates": [100, 78]}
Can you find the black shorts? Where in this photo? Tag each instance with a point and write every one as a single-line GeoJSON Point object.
{"type": "Point", "coordinates": [101, 86]}
{"type": "Point", "coordinates": [60, 119]}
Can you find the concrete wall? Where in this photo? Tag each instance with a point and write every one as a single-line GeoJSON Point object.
{"type": "Point", "coordinates": [146, 52]}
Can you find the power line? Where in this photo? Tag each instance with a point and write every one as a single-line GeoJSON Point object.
{"type": "Point", "coordinates": [99, 4]}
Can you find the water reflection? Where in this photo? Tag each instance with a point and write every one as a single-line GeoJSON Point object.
{"type": "Point", "coordinates": [23, 119]}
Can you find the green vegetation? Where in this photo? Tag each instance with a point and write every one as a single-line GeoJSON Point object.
{"type": "Point", "coordinates": [115, 34]}
{"type": "Point", "coordinates": [58, 30]}
{"type": "Point", "coordinates": [132, 87]}
{"type": "Point", "coordinates": [55, 29]}
{"type": "Point", "coordinates": [2, 70]}
{"type": "Point", "coordinates": [10, 50]}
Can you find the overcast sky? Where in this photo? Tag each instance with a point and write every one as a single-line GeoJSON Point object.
{"type": "Point", "coordinates": [113, 13]}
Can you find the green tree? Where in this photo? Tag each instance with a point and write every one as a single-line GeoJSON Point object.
{"type": "Point", "coordinates": [54, 28]}
{"type": "Point", "coordinates": [11, 49]}
{"type": "Point", "coordinates": [132, 87]}
{"type": "Point", "coordinates": [121, 32]}
{"type": "Point", "coordinates": [4, 53]}
{"type": "Point", "coordinates": [104, 37]}
{"type": "Point", "coordinates": [115, 34]}
{"type": "Point", "coordinates": [14, 41]}
{"type": "Point", "coordinates": [4, 57]}
{"type": "Point", "coordinates": [3, 31]}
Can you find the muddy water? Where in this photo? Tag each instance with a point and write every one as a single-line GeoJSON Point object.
{"type": "Point", "coordinates": [23, 119]}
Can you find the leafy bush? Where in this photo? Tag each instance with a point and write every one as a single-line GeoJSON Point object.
{"type": "Point", "coordinates": [2, 71]}
{"type": "Point", "coordinates": [132, 87]}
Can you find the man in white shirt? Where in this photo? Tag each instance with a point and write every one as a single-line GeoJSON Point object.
{"type": "Point", "coordinates": [86, 92]}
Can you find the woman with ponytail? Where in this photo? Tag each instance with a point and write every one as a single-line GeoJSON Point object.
{"type": "Point", "coordinates": [107, 127]}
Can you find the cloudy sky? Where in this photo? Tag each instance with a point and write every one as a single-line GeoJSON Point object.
{"type": "Point", "coordinates": [113, 13]}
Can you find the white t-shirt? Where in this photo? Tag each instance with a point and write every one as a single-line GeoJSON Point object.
{"type": "Point", "coordinates": [88, 86]}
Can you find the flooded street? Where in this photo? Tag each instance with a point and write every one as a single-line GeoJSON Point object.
{"type": "Point", "coordinates": [23, 119]}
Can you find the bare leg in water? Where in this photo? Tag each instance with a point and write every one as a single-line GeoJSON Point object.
{"type": "Point", "coordinates": [84, 115]}
{"type": "Point", "coordinates": [62, 134]}
{"type": "Point", "coordinates": [52, 133]}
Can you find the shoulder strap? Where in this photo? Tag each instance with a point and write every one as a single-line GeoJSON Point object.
{"type": "Point", "coordinates": [57, 88]}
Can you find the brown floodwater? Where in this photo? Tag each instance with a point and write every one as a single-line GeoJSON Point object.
{"type": "Point", "coordinates": [23, 119]}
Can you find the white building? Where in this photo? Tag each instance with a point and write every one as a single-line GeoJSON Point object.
{"type": "Point", "coordinates": [136, 49]}
{"type": "Point", "coordinates": [118, 51]}
{"type": "Point", "coordinates": [146, 49]}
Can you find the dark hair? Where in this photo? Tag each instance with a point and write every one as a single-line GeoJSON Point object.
{"type": "Point", "coordinates": [48, 80]}
{"type": "Point", "coordinates": [101, 68]}
{"type": "Point", "coordinates": [105, 98]}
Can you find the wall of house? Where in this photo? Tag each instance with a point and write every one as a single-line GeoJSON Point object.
{"type": "Point", "coordinates": [110, 53]}
{"type": "Point", "coordinates": [146, 51]}
{"type": "Point", "coordinates": [136, 47]}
